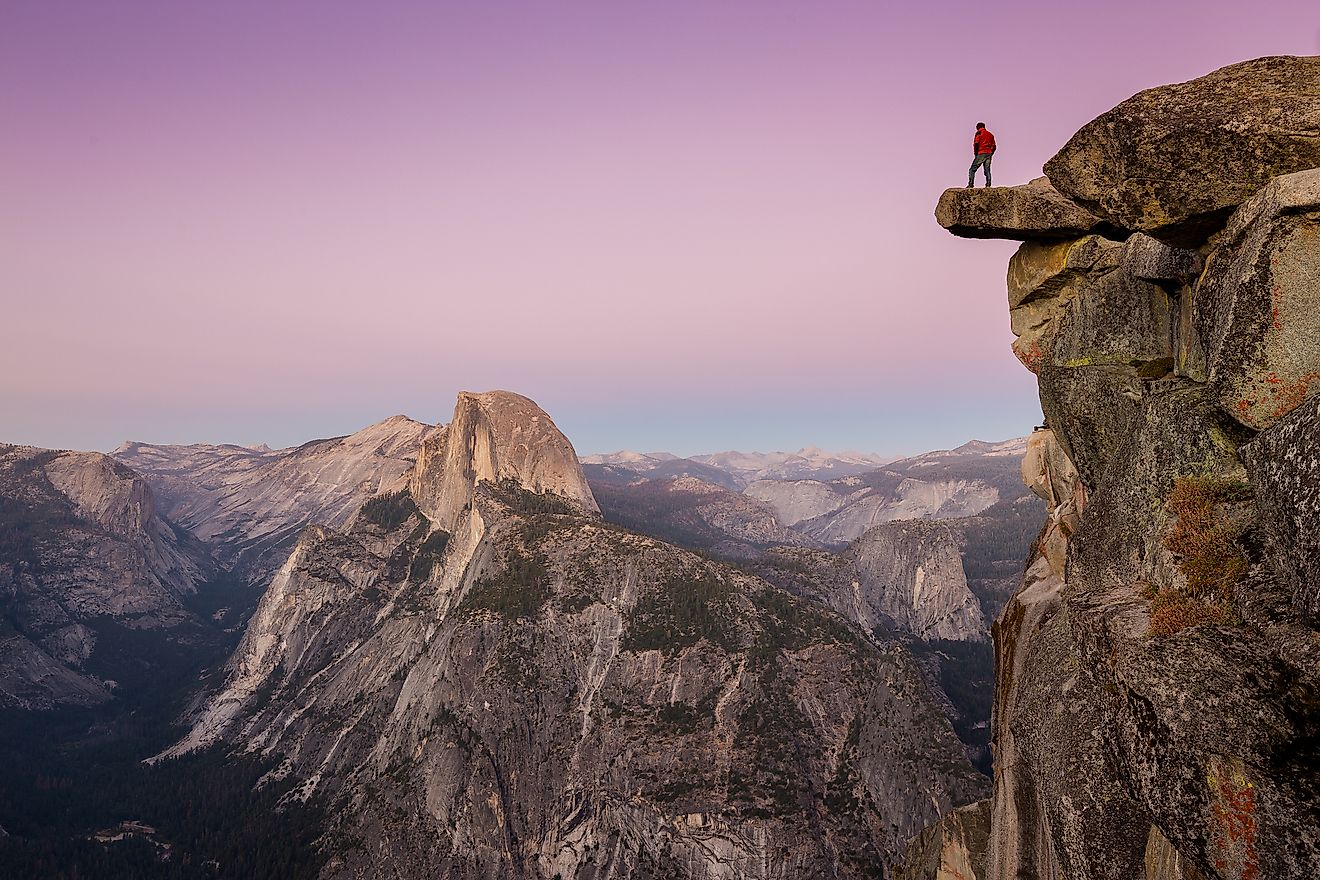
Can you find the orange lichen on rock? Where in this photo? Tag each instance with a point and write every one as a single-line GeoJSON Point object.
{"type": "Point", "coordinates": [1233, 820]}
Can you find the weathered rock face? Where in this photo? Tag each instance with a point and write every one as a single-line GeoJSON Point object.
{"type": "Point", "coordinates": [796, 501]}
{"type": "Point", "coordinates": [1157, 706]}
{"type": "Point", "coordinates": [1149, 259]}
{"type": "Point", "coordinates": [952, 849]}
{"type": "Point", "coordinates": [1284, 464]}
{"type": "Point", "coordinates": [1174, 161]}
{"type": "Point", "coordinates": [1050, 474]}
{"type": "Point", "coordinates": [252, 503]}
{"type": "Point", "coordinates": [1054, 329]}
{"type": "Point", "coordinates": [1032, 211]}
{"type": "Point", "coordinates": [900, 577]}
{"type": "Point", "coordinates": [1256, 307]}
{"type": "Point", "coordinates": [81, 549]}
{"type": "Point", "coordinates": [530, 693]}
{"type": "Point", "coordinates": [909, 575]}
{"type": "Point", "coordinates": [494, 437]}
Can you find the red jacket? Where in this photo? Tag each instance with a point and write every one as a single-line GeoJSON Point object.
{"type": "Point", "coordinates": [984, 142]}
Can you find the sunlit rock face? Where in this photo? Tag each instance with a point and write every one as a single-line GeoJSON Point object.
{"type": "Point", "coordinates": [494, 437]}
{"type": "Point", "coordinates": [251, 503]}
{"type": "Point", "coordinates": [1155, 709]}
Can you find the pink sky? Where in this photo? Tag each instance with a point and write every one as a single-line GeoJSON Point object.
{"type": "Point", "coordinates": [690, 225]}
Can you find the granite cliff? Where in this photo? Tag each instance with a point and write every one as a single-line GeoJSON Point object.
{"type": "Point", "coordinates": [83, 554]}
{"type": "Point", "coordinates": [900, 577]}
{"type": "Point", "coordinates": [250, 504]}
{"type": "Point", "coordinates": [480, 678]}
{"type": "Point", "coordinates": [1157, 708]}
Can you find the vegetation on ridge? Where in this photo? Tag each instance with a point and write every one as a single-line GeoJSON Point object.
{"type": "Point", "coordinates": [389, 510]}
{"type": "Point", "coordinates": [518, 590]}
{"type": "Point", "coordinates": [680, 613]}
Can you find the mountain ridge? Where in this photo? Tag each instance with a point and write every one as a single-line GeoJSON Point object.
{"type": "Point", "coordinates": [528, 682]}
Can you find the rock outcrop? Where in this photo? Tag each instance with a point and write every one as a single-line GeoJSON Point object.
{"type": "Point", "coordinates": [489, 682]}
{"type": "Point", "coordinates": [82, 551]}
{"type": "Point", "coordinates": [902, 577]}
{"type": "Point", "coordinates": [1157, 707]}
{"type": "Point", "coordinates": [909, 575]}
{"type": "Point", "coordinates": [495, 437]}
{"type": "Point", "coordinates": [1284, 465]}
{"type": "Point", "coordinates": [797, 501]}
{"type": "Point", "coordinates": [1032, 211]}
{"type": "Point", "coordinates": [1256, 310]}
{"type": "Point", "coordinates": [251, 503]}
{"type": "Point", "coordinates": [1174, 161]}
{"type": "Point", "coordinates": [952, 849]}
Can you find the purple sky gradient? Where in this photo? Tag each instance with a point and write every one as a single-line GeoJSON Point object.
{"type": "Point", "coordinates": [686, 226]}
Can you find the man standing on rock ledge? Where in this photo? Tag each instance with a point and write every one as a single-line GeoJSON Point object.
{"type": "Point", "coordinates": [983, 147]}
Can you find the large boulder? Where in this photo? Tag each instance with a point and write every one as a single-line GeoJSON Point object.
{"type": "Point", "coordinates": [1284, 464]}
{"type": "Point", "coordinates": [1044, 268]}
{"type": "Point", "coordinates": [1116, 320]}
{"type": "Point", "coordinates": [1152, 260]}
{"type": "Point", "coordinates": [1032, 211]}
{"type": "Point", "coordinates": [1174, 161]}
{"type": "Point", "coordinates": [1075, 304]}
{"type": "Point", "coordinates": [1257, 306]}
{"type": "Point", "coordinates": [1043, 278]}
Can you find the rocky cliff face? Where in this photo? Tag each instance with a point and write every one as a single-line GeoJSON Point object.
{"type": "Point", "coordinates": [81, 550]}
{"type": "Point", "coordinates": [912, 574]}
{"type": "Point", "coordinates": [482, 679]}
{"type": "Point", "coordinates": [1157, 708]}
{"type": "Point", "coordinates": [250, 504]}
{"type": "Point", "coordinates": [495, 438]}
{"type": "Point", "coordinates": [903, 577]}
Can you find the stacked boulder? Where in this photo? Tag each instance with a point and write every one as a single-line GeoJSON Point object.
{"type": "Point", "coordinates": [1158, 695]}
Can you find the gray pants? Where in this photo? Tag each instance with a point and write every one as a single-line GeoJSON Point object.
{"type": "Point", "coordinates": [979, 161]}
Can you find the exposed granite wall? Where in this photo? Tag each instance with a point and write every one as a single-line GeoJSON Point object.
{"type": "Point", "coordinates": [1158, 698]}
